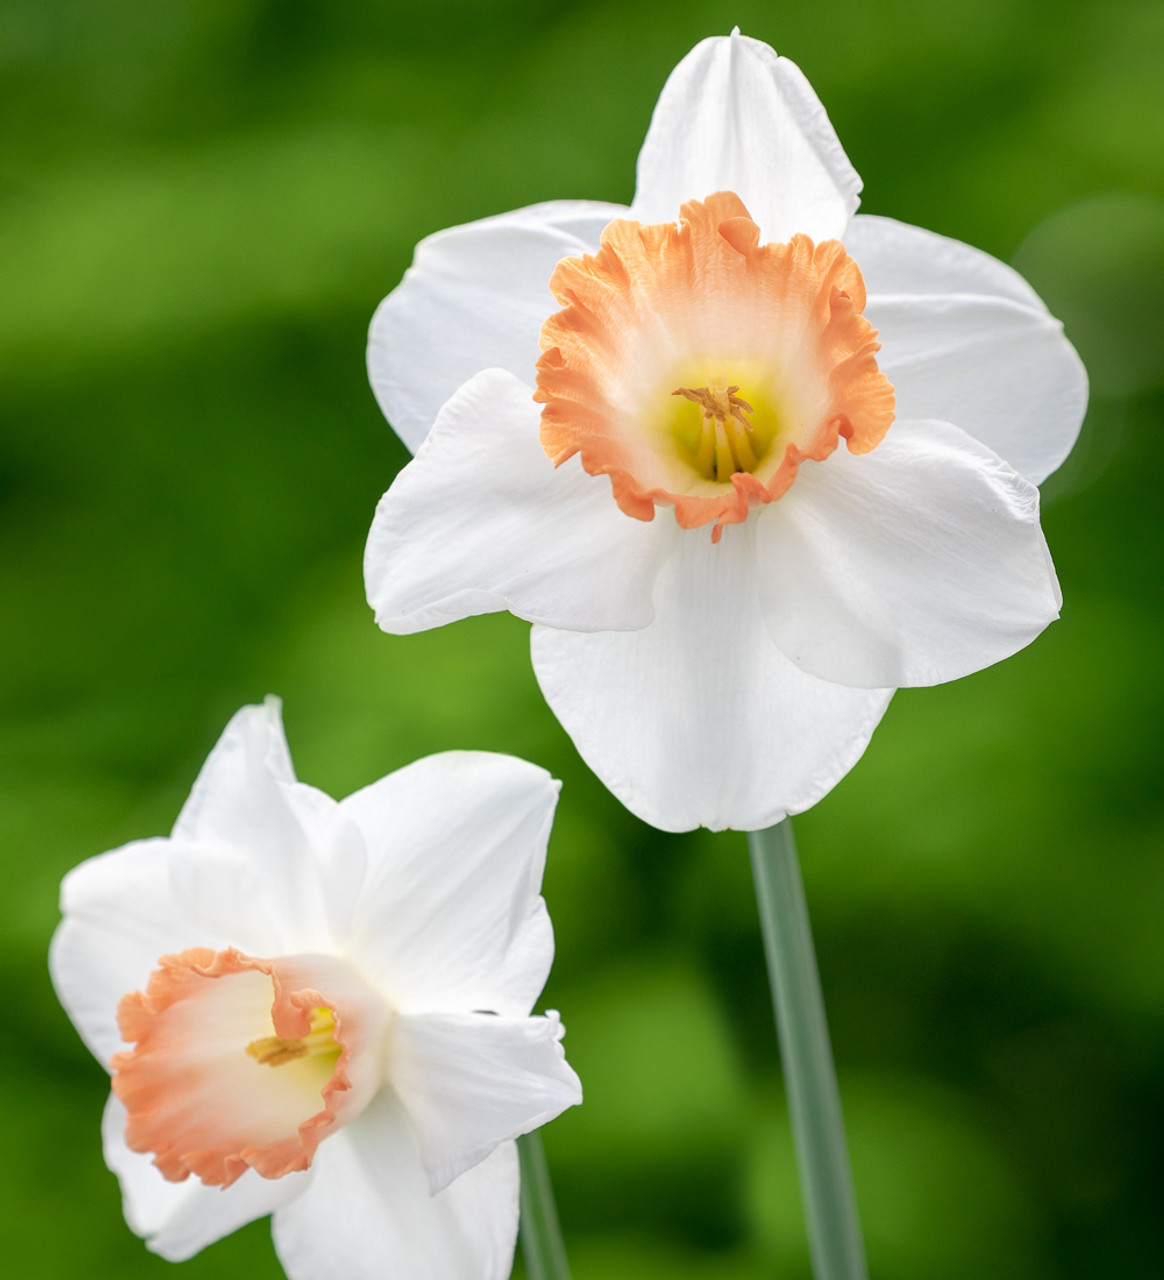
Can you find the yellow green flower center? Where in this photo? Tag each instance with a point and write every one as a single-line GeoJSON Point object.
{"type": "Point", "coordinates": [717, 430]}
{"type": "Point", "coordinates": [320, 1041]}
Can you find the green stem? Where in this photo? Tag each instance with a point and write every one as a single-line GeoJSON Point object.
{"type": "Point", "coordinates": [810, 1080]}
{"type": "Point", "coordinates": [541, 1237]}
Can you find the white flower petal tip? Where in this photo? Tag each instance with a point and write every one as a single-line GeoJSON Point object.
{"type": "Point", "coordinates": [430, 333]}
{"type": "Point", "coordinates": [735, 116]}
{"type": "Point", "coordinates": [479, 521]}
{"type": "Point", "coordinates": [919, 564]}
{"type": "Point", "coordinates": [253, 744]}
{"type": "Point", "coordinates": [699, 719]}
{"type": "Point", "coordinates": [444, 1065]}
{"type": "Point", "coordinates": [465, 834]}
{"type": "Point", "coordinates": [965, 339]}
{"type": "Point", "coordinates": [242, 1077]}
{"type": "Point", "coordinates": [783, 462]}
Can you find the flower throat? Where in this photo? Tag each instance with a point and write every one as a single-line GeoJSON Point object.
{"type": "Point", "coordinates": [725, 443]}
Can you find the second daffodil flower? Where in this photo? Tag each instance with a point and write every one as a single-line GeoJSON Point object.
{"type": "Point", "coordinates": [748, 461]}
{"type": "Point", "coordinates": [320, 1010]}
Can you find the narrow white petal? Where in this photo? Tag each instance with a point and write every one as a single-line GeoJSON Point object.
{"type": "Point", "coordinates": [252, 742]}
{"type": "Point", "coordinates": [699, 719]}
{"type": "Point", "coordinates": [249, 824]}
{"type": "Point", "coordinates": [475, 298]}
{"type": "Point", "coordinates": [450, 916]}
{"type": "Point", "coordinates": [177, 1219]}
{"type": "Point", "coordinates": [898, 258]}
{"type": "Point", "coordinates": [955, 350]}
{"type": "Point", "coordinates": [121, 913]}
{"type": "Point", "coordinates": [369, 1214]}
{"type": "Point", "coordinates": [735, 117]}
{"type": "Point", "coordinates": [917, 563]}
{"type": "Point", "coordinates": [258, 862]}
{"type": "Point", "coordinates": [470, 1081]}
{"type": "Point", "coordinates": [1002, 370]}
{"type": "Point", "coordinates": [248, 765]}
{"type": "Point", "coordinates": [481, 521]}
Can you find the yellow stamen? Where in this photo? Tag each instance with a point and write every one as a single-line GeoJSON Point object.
{"type": "Point", "coordinates": [272, 1051]}
{"type": "Point", "coordinates": [724, 446]}
{"type": "Point", "coordinates": [724, 462]}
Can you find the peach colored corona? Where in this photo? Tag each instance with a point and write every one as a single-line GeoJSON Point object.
{"type": "Point", "coordinates": [697, 367]}
{"type": "Point", "coordinates": [244, 1063]}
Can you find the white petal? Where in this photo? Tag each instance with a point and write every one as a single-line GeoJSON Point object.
{"type": "Point", "coordinates": [481, 520]}
{"type": "Point", "coordinates": [470, 1081]}
{"type": "Point", "coordinates": [252, 742]}
{"type": "Point", "coordinates": [896, 257]}
{"type": "Point", "coordinates": [1007, 376]}
{"type": "Point", "coordinates": [699, 719]}
{"type": "Point", "coordinates": [258, 861]}
{"type": "Point", "coordinates": [369, 1215]}
{"type": "Point", "coordinates": [121, 913]}
{"type": "Point", "coordinates": [450, 916]}
{"type": "Point", "coordinates": [919, 562]}
{"type": "Point", "coordinates": [1004, 372]}
{"type": "Point", "coordinates": [177, 1219]}
{"type": "Point", "coordinates": [735, 117]}
{"type": "Point", "coordinates": [254, 849]}
{"type": "Point", "coordinates": [475, 298]}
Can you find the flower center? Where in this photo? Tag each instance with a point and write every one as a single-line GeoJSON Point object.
{"type": "Point", "coordinates": [698, 368]}
{"type": "Point", "coordinates": [196, 1086]}
{"type": "Point", "coordinates": [320, 1041]}
{"type": "Point", "coordinates": [723, 440]}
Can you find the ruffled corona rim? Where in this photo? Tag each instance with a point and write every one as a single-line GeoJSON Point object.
{"type": "Point", "coordinates": [236, 1065]}
{"type": "Point", "coordinates": [698, 368]}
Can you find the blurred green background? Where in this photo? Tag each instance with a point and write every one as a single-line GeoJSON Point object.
{"type": "Point", "coordinates": [201, 203]}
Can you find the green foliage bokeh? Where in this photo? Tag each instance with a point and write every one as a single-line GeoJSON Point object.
{"type": "Point", "coordinates": [201, 203]}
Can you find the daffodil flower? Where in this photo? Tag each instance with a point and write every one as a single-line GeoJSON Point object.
{"type": "Point", "coordinates": [748, 462]}
{"type": "Point", "coordinates": [320, 1010]}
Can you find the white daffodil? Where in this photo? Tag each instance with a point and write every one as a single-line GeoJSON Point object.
{"type": "Point", "coordinates": [627, 425]}
{"type": "Point", "coordinates": [320, 1010]}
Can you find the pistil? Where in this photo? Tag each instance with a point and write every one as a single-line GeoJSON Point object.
{"type": "Point", "coordinates": [273, 1051]}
